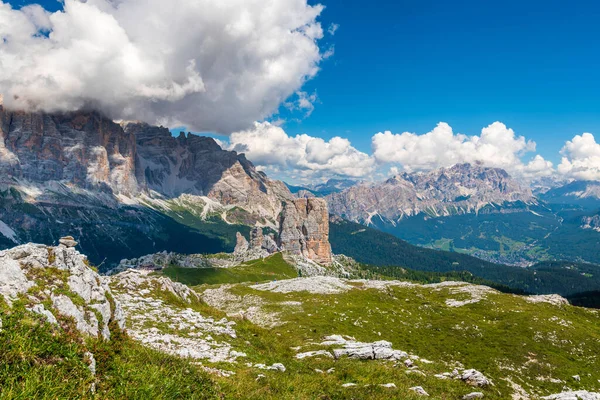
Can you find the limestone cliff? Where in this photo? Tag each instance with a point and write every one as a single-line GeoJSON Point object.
{"type": "Point", "coordinates": [304, 229]}
{"type": "Point", "coordinates": [87, 150]}
{"type": "Point", "coordinates": [198, 166]}
{"type": "Point", "coordinates": [81, 148]}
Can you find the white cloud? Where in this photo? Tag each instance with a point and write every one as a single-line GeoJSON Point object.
{"type": "Point", "coordinates": [206, 64]}
{"type": "Point", "coordinates": [581, 158]}
{"type": "Point", "coordinates": [497, 146]}
{"type": "Point", "coordinates": [538, 167]}
{"type": "Point", "coordinates": [302, 156]}
{"type": "Point", "coordinates": [304, 102]}
{"type": "Point", "coordinates": [329, 52]}
{"type": "Point", "coordinates": [333, 29]}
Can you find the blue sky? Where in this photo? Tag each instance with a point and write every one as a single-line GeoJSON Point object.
{"type": "Point", "coordinates": [407, 65]}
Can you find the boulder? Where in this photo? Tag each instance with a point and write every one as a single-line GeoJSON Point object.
{"type": "Point", "coordinates": [474, 378]}
{"type": "Point", "coordinates": [67, 241]}
{"type": "Point", "coordinates": [419, 390]}
{"type": "Point", "coordinates": [472, 396]}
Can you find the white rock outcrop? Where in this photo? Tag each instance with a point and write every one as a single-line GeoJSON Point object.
{"type": "Point", "coordinates": [419, 390]}
{"type": "Point", "coordinates": [553, 299]}
{"type": "Point", "coordinates": [380, 350]}
{"type": "Point", "coordinates": [41, 310]}
{"type": "Point", "coordinates": [475, 378]}
{"type": "Point", "coordinates": [315, 353]}
{"type": "Point", "coordinates": [576, 395]}
{"type": "Point", "coordinates": [165, 327]}
{"type": "Point", "coordinates": [62, 276]}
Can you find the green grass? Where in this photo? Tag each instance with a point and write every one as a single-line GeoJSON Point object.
{"type": "Point", "coordinates": [40, 361]}
{"type": "Point", "coordinates": [503, 336]}
{"type": "Point", "coordinates": [270, 268]}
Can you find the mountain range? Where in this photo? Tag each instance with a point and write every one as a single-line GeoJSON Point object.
{"type": "Point", "coordinates": [129, 189]}
{"type": "Point", "coordinates": [316, 305]}
{"type": "Point", "coordinates": [461, 189]}
{"type": "Point", "coordinates": [479, 211]}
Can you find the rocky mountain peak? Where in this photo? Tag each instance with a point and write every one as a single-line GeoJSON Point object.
{"type": "Point", "coordinates": [462, 188]}
{"type": "Point", "coordinates": [303, 232]}
{"type": "Point", "coordinates": [195, 165]}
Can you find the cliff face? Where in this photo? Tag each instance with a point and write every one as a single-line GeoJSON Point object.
{"type": "Point", "coordinates": [86, 150]}
{"type": "Point", "coordinates": [81, 148]}
{"type": "Point", "coordinates": [304, 229]}
{"type": "Point", "coordinates": [198, 166]}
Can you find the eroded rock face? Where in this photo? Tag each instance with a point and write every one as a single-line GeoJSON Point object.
{"type": "Point", "coordinates": [304, 229]}
{"type": "Point", "coordinates": [241, 244]}
{"type": "Point", "coordinates": [176, 330]}
{"type": "Point", "coordinates": [61, 276]}
{"type": "Point", "coordinates": [259, 246]}
{"type": "Point", "coordinates": [198, 166]}
{"type": "Point", "coordinates": [83, 148]}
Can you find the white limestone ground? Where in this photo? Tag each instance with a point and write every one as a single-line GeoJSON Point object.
{"type": "Point", "coordinates": [314, 284]}
{"type": "Point", "coordinates": [170, 329]}
{"type": "Point", "coordinates": [52, 270]}
{"type": "Point", "coordinates": [477, 293]}
{"type": "Point", "coordinates": [332, 285]}
{"type": "Point", "coordinates": [576, 395]}
{"type": "Point", "coordinates": [553, 299]}
{"type": "Point", "coordinates": [248, 306]}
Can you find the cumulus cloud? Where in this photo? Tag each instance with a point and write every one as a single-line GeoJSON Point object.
{"type": "Point", "coordinates": [303, 156]}
{"type": "Point", "coordinates": [210, 65]}
{"type": "Point", "coordinates": [497, 146]}
{"type": "Point", "coordinates": [581, 158]}
{"type": "Point", "coordinates": [538, 167]}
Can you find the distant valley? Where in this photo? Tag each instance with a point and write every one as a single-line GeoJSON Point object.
{"type": "Point", "coordinates": [479, 211]}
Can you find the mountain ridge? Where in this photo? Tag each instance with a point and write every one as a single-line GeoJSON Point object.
{"type": "Point", "coordinates": [460, 189]}
{"type": "Point", "coordinates": [81, 172]}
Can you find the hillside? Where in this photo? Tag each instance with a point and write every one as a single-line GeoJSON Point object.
{"type": "Point", "coordinates": [371, 246]}
{"type": "Point", "coordinates": [314, 337]}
